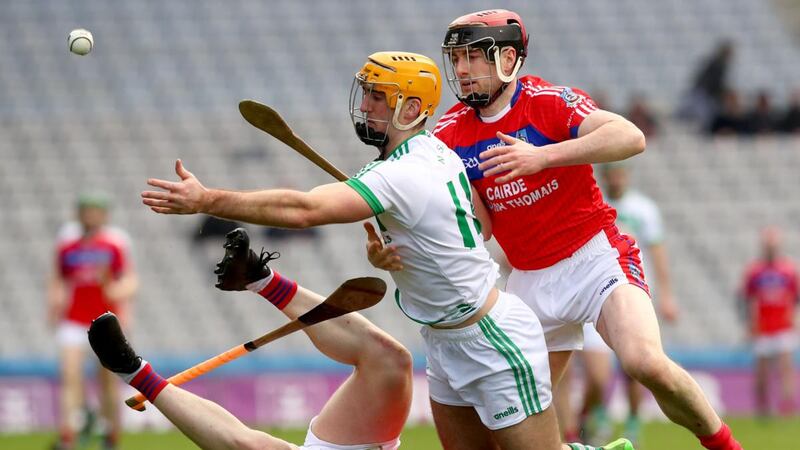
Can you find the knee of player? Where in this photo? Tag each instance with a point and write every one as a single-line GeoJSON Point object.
{"type": "Point", "coordinates": [649, 367]}
{"type": "Point", "coordinates": [388, 356]}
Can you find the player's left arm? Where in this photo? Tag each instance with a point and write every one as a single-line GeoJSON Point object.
{"type": "Point", "coordinates": [56, 295]}
{"type": "Point", "coordinates": [652, 235]}
{"type": "Point", "coordinates": [330, 203]}
{"type": "Point", "coordinates": [121, 289]}
{"type": "Point", "coordinates": [748, 306]}
{"type": "Point", "coordinates": [602, 136]}
{"type": "Point", "coordinates": [667, 306]}
{"type": "Point", "coordinates": [482, 214]}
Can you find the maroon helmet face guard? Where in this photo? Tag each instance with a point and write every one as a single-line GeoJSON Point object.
{"type": "Point", "coordinates": [488, 31]}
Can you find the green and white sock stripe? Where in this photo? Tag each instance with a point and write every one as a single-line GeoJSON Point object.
{"type": "Point", "coordinates": [523, 373]}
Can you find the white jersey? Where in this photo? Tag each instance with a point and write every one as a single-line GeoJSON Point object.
{"type": "Point", "coordinates": [421, 197]}
{"type": "Point", "coordinates": [639, 216]}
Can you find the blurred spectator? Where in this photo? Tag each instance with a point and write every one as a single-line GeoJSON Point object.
{"type": "Point", "coordinates": [92, 274]}
{"type": "Point", "coordinates": [770, 292]}
{"type": "Point", "coordinates": [730, 120]}
{"type": "Point", "coordinates": [283, 234]}
{"type": "Point", "coordinates": [706, 95]}
{"type": "Point", "coordinates": [641, 115]}
{"type": "Point", "coordinates": [790, 119]}
{"type": "Point", "coordinates": [761, 119]}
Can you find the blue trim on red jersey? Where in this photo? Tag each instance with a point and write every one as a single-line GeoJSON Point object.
{"type": "Point", "coordinates": [573, 132]}
{"type": "Point", "coordinates": [91, 255]}
{"type": "Point", "coordinates": [469, 154]}
{"type": "Point", "coordinates": [515, 97]}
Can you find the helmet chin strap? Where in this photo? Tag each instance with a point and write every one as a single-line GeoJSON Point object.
{"type": "Point", "coordinates": [396, 116]}
{"type": "Point", "coordinates": [505, 78]}
{"type": "Point", "coordinates": [484, 100]}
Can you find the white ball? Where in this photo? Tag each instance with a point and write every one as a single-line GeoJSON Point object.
{"type": "Point", "coordinates": [80, 41]}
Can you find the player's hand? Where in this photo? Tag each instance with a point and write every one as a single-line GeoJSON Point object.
{"type": "Point", "coordinates": [182, 197]}
{"type": "Point", "coordinates": [668, 309]}
{"type": "Point", "coordinates": [517, 158]}
{"type": "Point", "coordinates": [380, 256]}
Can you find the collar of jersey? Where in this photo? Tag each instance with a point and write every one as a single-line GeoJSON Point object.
{"type": "Point", "coordinates": [404, 142]}
{"type": "Point", "coordinates": [504, 111]}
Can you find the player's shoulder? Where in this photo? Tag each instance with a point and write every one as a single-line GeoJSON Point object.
{"type": "Point", "coordinates": [68, 234]}
{"type": "Point", "coordinates": [448, 123]}
{"type": "Point", "coordinates": [641, 200]}
{"type": "Point", "coordinates": [542, 92]}
{"type": "Point", "coordinates": [422, 149]}
{"type": "Point", "coordinates": [754, 268]}
{"type": "Point", "coordinates": [368, 167]}
{"type": "Point", "coordinates": [115, 236]}
{"type": "Point", "coordinates": [787, 265]}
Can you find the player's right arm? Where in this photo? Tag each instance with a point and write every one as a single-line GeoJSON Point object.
{"type": "Point", "coordinates": [330, 203]}
{"type": "Point", "coordinates": [482, 214]}
{"type": "Point", "coordinates": [56, 295]}
{"type": "Point", "coordinates": [748, 306]}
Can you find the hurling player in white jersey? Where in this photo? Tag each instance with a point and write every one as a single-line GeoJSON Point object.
{"type": "Point", "coordinates": [487, 359]}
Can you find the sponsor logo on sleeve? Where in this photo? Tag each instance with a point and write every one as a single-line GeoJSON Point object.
{"type": "Point", "coordinates": [570, 97]}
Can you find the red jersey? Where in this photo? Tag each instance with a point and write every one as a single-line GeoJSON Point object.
{"type": "Point", "coordinates": [84, 263]}
{"type": "Point", "coordinates": [773, 288]}
{"type": "Point", "coordinates": [537, 219]}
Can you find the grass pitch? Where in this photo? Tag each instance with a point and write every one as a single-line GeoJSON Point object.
{"type": "Point", "coordinates": [775, 434]}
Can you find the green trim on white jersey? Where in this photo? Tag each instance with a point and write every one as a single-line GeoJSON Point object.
{"type": "Point", "coordinates": [364, 191]}
{"type": "Point", "coordinates": [402, 149]}
{"type": "Point", "coordinates": [422, 199]}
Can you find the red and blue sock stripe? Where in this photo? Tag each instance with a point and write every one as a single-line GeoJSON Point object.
{"type": "Point", "coordinates": [279, 291]}
{"type": "Point", "coordinates": [149, 382]}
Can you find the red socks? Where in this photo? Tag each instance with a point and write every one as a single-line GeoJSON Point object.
{"type": "Point", "coordinates": [279, 291]}
{"type": "Point", "coordinates": [148, 382]}
{"type": "Point", "coordinates": [721, 440]}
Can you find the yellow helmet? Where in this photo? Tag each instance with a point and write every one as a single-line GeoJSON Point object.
{"type": "Point", "coordinates": [399, 75]}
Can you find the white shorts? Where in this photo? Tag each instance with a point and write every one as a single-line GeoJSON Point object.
{"type": "Point", "coordinates": [592, 341]}
{"type": "Point", "coordinates": [571, 292]}
{"type": "Point", "coordinates": [72, 334]}
{"type": "Point", "coordinates": [498, 365]}
{"type": "Point", "coordinates": [312, 442]}
{"type": "Point", "coordinates": [775, 344]}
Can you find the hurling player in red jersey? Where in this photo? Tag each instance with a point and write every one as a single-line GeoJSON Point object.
{"type": "Point", "coordinates": [92, 274]}
{"type": "Point", "coordinates": [528, 146]}
{"type": "Point", "coordinates": [771, 292]}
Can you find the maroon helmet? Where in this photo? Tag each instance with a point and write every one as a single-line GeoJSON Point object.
{"type": "Point", "coordinates": [490, 31]}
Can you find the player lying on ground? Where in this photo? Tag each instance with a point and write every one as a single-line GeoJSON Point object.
{"type": "Point", "coordinates": [529, 146]}
{"type": "Point", "coordinates": [366, 412]}
{"type": "Point", "coordinates": [486, 355]}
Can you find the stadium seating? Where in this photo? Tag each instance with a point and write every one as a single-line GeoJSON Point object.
{"type": "Point", "coordinates": [164, 80]}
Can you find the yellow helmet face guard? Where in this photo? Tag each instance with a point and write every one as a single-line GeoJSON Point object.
{"type": "Point", "coordinates": [399, 76]}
